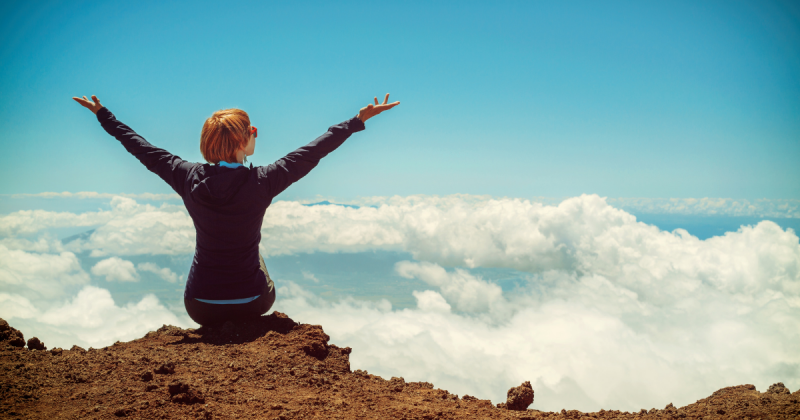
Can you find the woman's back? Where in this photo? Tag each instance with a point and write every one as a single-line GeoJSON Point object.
{"type": "Point", "coordinates": [227, 207]}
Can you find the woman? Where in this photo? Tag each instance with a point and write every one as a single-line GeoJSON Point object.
{"type": "Point", "coordinates": [226, 200]}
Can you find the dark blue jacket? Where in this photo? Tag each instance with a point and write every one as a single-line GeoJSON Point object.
{"type": "Point", "coordinates": [227, 205]}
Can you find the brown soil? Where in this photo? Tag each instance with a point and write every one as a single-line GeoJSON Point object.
{"type": "Point", "coordinates": [274, 368]}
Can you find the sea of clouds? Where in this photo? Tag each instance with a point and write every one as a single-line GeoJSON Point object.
{"type": "Point", "coordinates": [613, 313]}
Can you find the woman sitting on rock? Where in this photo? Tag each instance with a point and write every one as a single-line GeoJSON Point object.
{"type": "Point", "coordinates": [227, 200]}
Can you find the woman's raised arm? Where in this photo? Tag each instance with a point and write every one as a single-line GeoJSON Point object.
{"type": "Point", "coordinates": [295, 165]}
{"type": "Point", "coordinates": [169, 167]}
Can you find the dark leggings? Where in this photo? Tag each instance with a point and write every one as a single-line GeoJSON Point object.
{"type": "Point", "coordinates": [213, 313]}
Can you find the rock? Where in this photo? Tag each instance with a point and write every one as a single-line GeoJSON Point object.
{"type": "Point", "coordinates": [166, 368]}
{"type": "Point", "coordinates": [177, 387]}
{"type": "Point", "coordinates": [397, 384]}
{"type": "Point", "coordinates": [147, 376]}
{"type": "Point", "coordinates": [316, 342]}
{"type": "Point", "coordinates": [519, 398]}
{"type": "Point", "coordinates": [35, 344]}
{"type": "Point", "coordinates": [778, 388]}
{"type": "Point", "coordinates": [11, 335]}
{"type": "Point", "coordinates": [77, 348]}
{"type": "Point", "coordinates": [180, 392]}
{"type": "Point", "coordinates": [123, 412]}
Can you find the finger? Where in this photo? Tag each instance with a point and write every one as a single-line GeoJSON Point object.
{"type": "Point", "coordinates": [387, 106]}
{"type": "Point", "coordinates": [386, 99]}
{"type": "Point", "coordinates": [94, 98]}
{"type": "Point", "coordinates": [376, 100]}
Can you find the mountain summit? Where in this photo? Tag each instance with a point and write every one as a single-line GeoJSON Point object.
{"type": "Point", "coordinates": [274, 368]}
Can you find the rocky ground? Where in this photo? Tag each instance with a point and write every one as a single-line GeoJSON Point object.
{"type": "Point", "coordinates": [274, 368]}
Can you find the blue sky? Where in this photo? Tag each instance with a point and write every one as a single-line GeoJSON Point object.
{"type": "Point", "coordinates": [621, 99]}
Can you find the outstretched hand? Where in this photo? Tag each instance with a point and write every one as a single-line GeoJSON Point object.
{"type": "Point", "coordinates": [370, 110]}
{"type": "Point", "coordinates": [91, 106]}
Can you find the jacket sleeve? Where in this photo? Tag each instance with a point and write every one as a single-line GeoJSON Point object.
{"type": "Point", "coordinates": [288, 170]}
{"type": "Point", "coordinates": [169, 167]}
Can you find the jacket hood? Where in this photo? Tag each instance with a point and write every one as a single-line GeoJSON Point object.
{"type": "Point", "coordinates": [219, 185]}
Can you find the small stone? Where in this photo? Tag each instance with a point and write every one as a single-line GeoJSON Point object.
{"type": "Point", "coordinates": [177, 387]}
{"type": "Point", "coordinates": [35, 344]}
{"type": "Point", "coordinates": [180, 392]}
{"type": "Point", "coordinates": [397, 384]}
{"type": "Point", "coordinates": [519, 398]}
{"type": "Point", "coordinates": [166, 368]}
{"type": "Point", "coordinates": [778, 388]}
{"type": "Point", "coordinates": [147, 376]}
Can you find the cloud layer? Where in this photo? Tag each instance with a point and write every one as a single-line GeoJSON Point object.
{"type": "Point", "coordinates": [612, 313]}
{"type": "Point", "coordinates": [89, 319]}
{"type": "Point", "coordinates": [711, 206]}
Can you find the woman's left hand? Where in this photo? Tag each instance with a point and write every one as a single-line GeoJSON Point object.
{"type": "Point", "coordinates": [91, 106]}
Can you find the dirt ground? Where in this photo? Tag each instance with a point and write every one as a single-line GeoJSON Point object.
{"type": "Point", "coordinates": [274, 368]}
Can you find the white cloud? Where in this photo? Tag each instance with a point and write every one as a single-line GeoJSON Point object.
{"type": "Point", "coordinates": [711, 206]}
{"type": "Point", "coordinates": [30, 221]}
{"type": "Point", "coordinates": [610, 303]}
{"type": "Point", "coordinates": [430, 301]}
{"type": "Point", "coordinates": [92, 194]}
{"type": "Point", "coordinates": [39, 276]}
{"type": "Point", "coordinates": [90, 318]}
{"type": "Point", "coordinates": [310, 276]}
{"type": "Point", "coordinates": [584, 341]}
{"type": "Point", "coordinates": [614, 313]}
{"type": "Point", "coordinates": [467, 292]}
{"type": "Point", "coordinates": [115, 268]}
{"type": "Point", "coordinates": [128, 228]}
{"type": "Point", "coordinates": [16, 306]}
{"type": "Point", "coordinates": [164, 273]}
{"type": "Point", "coordinates": [44, 244]}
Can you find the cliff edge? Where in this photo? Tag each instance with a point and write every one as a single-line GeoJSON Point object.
{"type": "Point", "coordinates": [275, 368]}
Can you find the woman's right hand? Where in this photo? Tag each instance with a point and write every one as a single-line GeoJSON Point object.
{"type": "Point", "coordinates": [370, 110]}
{"type": "Point", "coordinates": [95, 106]}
